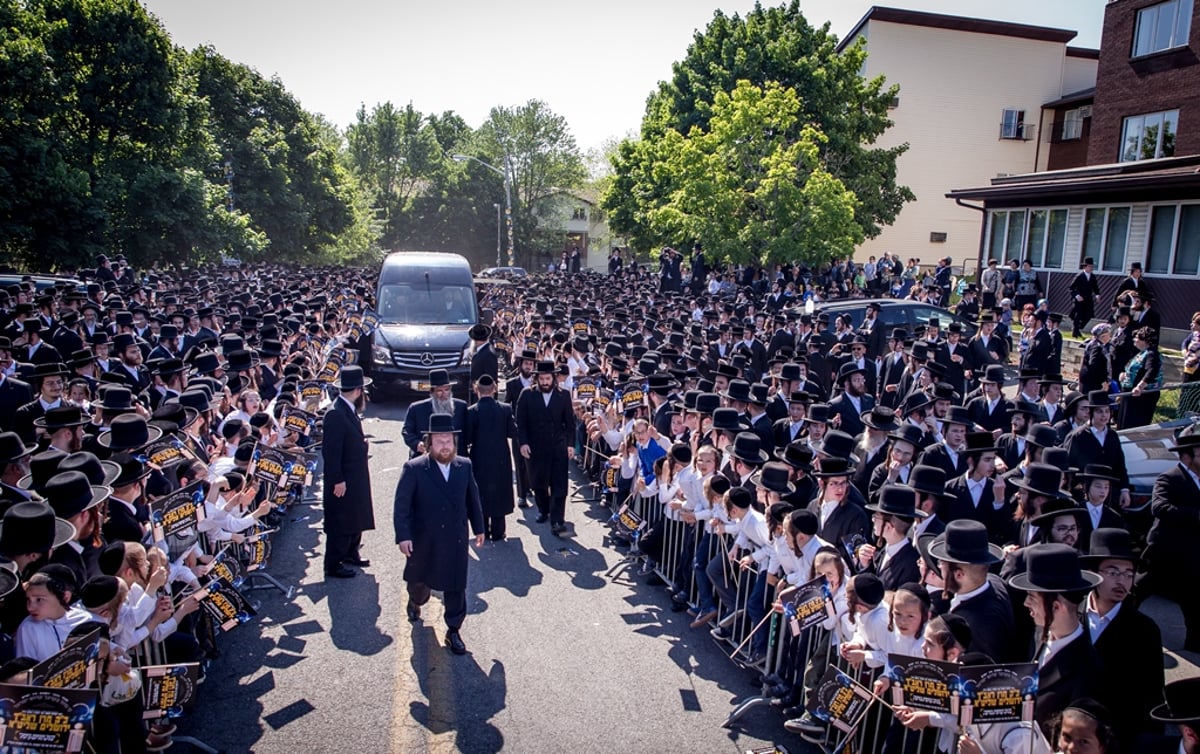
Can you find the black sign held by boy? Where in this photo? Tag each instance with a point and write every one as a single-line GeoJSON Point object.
{"type": "Point", "coordinates": [45, 719]}
{"type": "Point", "coordinates": [270, 465]}
{"type": "Point", "coordinates": [998, 693]}
{"type": "Point", "coordinates": [839, 701]}
{"type": "Point", "coordinates": [167, 450]}
{"type": "Point", "coordinates": [225, 604]}
{"type": "Point", "coordinates": [630, 523]}
{"type": "Point", "coordinates": [924, 684]}
{"type": "Point", "coordinates": [807, 605]}
{"type": "Point", "coordinates": [175, 512]}
{"type": "Point", "coordinates": [75, 666]}
{"type": "Point", "coordinates": [169, 690]}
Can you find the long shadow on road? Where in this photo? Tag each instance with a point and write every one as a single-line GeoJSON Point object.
{"type": "Point", "coordinates": [461, 695]}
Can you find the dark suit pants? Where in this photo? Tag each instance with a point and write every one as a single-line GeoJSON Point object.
{"type": "Point", "coordinates": [340, 547]}
{"type": "Point", "coordinates": [455, 603]}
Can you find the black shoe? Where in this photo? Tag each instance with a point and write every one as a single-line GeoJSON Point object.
{"type": "Point", "coordinates": [498, 537]}
{"type": "Point", "coordinates": [543, 518]}
{"type": "Point", "coordinates": [360, 562]}
{"type": "Point", "coordinates": [414, 612]}
{"type": "Point", "coordinates": [455, 643]}
{"type": "Point", "coordinates": [524, 503]}
{"type": "Point", "coordinates": [557, 529]}
{"type": "Point", "coordinates": [341, 572]}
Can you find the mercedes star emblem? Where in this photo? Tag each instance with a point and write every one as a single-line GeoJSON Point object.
{"type": "Point", "coordinates": [427, 359]}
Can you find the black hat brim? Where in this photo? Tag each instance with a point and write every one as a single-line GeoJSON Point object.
{"type": "Point", "coordinates": [153, 434]}
{"type": "Point", "coordinates": [1087, 581]}
{"type": "Point", "coordinates": [937, 549]}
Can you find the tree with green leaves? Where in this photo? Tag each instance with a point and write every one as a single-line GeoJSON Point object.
{"type": "Point", "coordinates": [772, 45]}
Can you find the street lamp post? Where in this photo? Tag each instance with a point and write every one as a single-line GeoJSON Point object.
{"type": "Point", "coordinates": [497, 206]}
{"type": "Point", "coordinates": [506, 174]}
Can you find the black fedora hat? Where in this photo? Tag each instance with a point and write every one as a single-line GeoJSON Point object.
{"type": "Point", "coordinates": [747, 447]}
{"type": "Point", "coordinates": [817, 413]}
{"type": "Point", "coordinates": [944, 391]}
{"type": "Point", "coordinates": [1111, 544]}
{"type": "Point", "coordinates": [8, 578]}
{"type": "Point", "coordinates": [848, 370]}
{"type": "Point", "coordinates": [1041, 479]}
{"type": "Point", "coordinates": [980, 442]}
{"type": "Point", "coordinates": [479, 331]}
{"type": "Point", "coordinates": [928, 480]}
{"type": "Point", "coordinates": [994, 373]}
{"type": "Point", "coordinates": [545, 367]}
{"type": "Point", "coordinates": [707, 403]}
{"type": "Point", "coordinates": [881, 418]}
{"type": "Point", "coordinates": [175, 414]}
{"type": "Point", "coordinates": [909, 433]}
{"type": "Point", "coordinates": [1042, 435]}
{"type": "Point", "coordinates": [98, 472]}
{"type": "Point", "coordinates": [438, 378]}
{"type": "Point", "coordinates": [1182, 705]}
{"type": "Point", "coordinates": [759, 393]}
{"type": "Point", "coordinates": [834, 466]}
{"type": "Point", "coordinates": [351, 377]}
{"type": "Point", "coordinates": [127, 432]}
{"type": "Point", "coordinates": [241, 360]}
{"type": "Point", "coordinates": [774, 477]}
{"type": "Point", "coordinates": [32, 527]}
{"type": "Point", "coordinates": [799, 396]}
{"type": "Point", "coordinates": [206, 362]}
{"type": "Point", "coordinates": [54, 369]}
{"type": "Point", "coordinates": [70, 493]}
{"type": "Point", "coordinates": [897, 500]}
{"type": "Point", "coordinates": [738, 390]}
{"type": "Point", "coordinates": [441, 424]}
{"type": "Point", "coordinates": [1059, 506]}
{"type": "Point", "coordinates": [1097, 471]}
{"type": "Point", "coordinates": [838, 444]}
{"type": "Point", "coordinates": [965, 541]}
{"type": "Point", "coordinates": [914, 401]}
{"type": "Point", "coordinates": [1053, 568]}
{"type": "Point", "coordinates": [270, 348]}
{"type": "Point", "coordinates": [61, 417]}
{"type": "Point", "coordinates": [798, 455]}
{"type": "Point", "coordinates": [116, 398]}
{"type": "Point", "coordinates": [130, 470]}
{"type": "Point", "coordinates": [42, 467]}
{"type": "Point", "coordinates": [12, 448]}
{"type": "Point", "coordinates": [1099, 398]}
{"type": "Point", "coordinates": [726, 419]}
{"type": "Point", "coordinates": [959, 415]}
{"type": "Point", "coordinates": [198, 400]}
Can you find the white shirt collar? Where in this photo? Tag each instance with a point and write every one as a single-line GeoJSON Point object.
{"type": "Point", "coordinates": [1097, 622]}
{"type": "Point", "coordinates": [1054, 646]}
{"type": "Point", "coordinates": [958, 599]}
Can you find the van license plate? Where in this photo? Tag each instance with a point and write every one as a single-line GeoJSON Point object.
{"type": "Point", "coordinates": [420, 387]}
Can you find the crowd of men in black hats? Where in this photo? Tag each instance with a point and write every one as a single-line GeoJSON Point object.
{"type": "Point", "coordinates": [119, 392]}
{"type": "Point", "coordinates": [791, 433]}
{"type": "Point", "coordinates": [890, 462]}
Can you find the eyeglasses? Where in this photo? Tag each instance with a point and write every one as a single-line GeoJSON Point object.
{"type": "Point", "coordinates": [1117, 573]}
{"type": "Point", "coordinates": [837, 482]}
{"type": "Point", "coordinates": [1067, 529]}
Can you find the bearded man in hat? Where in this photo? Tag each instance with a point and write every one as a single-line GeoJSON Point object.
{"type": "Point", "coordinates": [436, 497]}
{"type": "Point", "coordinates": [484, 360]}
{"type": "Point", "coordinates": [893, 558]}
{"type": "Point", "coordinates": [546, 437]}
{"type": "Point", "coordinates": [1098, 443]}
{"type": "Point", "coordinates": [50, 380]}
{"type": "Point", "coordinates": [490, 430]}
{"type": "Point", "coordinates": [964, 556]}
{"type": "Point", "coordinates": [347, 478]}
{"type": "Point", "coordinates": [441, 400]}
{"type": "Point", "coordinates": [853, 401]}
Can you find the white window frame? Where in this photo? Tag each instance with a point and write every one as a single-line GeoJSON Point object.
{"type": "Point", "coordinates": [1072, 126]}
{"type": "Point", "coordinates": [1016, 129]}
{"type": "Point", "coordinates": [1027, 252]}
{"type": "Point", "coordinates": [1174, 252]}
{"type": "Point", "coordinates": [1176, 12]}
{"type": "Point", "coordinates": [1103, 253]}
{"type": "Point", "coordinates": [1024, 251]}
{"type": "Point", "coordinates": [1140, 121]}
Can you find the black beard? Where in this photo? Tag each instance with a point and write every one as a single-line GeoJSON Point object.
{"type": "Point", "coordinates": [546, 388]}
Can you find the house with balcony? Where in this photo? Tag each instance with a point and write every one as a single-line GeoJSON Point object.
{"type": "Point", "coordinates": [970, 107]}
{"type": "Point", "coordinates": [569, 219]}
{"type": "Point", "coordinates": [1122, 179]}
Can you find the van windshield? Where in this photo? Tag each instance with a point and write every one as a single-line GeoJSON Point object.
{"type": "Point", "coordinates": [422, 303]}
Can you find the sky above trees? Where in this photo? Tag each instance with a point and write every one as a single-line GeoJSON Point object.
{"type": "Point", "coordinates": [593, 63]}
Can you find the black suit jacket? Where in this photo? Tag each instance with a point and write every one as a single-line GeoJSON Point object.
{"type": "Point", "coordinates": [899, 570]}
{"type": "Point", "coordinates": [843, 523]}
{"type": "Point", "coordinates": [512, 390]}
{"type": "Point", "coordinates": [937, 455]}
{"type": "Point", "coordinates": [13, 394]}
{"type": "Point", "coordinates": [1130, 650]}
{"type": "Point", "coordinates": [852, 423]}
{"type": "Point", "coordinates": [416, 422]}
{"type": "Point", "coordinates": [1040, 353]}
{"type": "Point", "coordinates": [1073, 672]}
{"type": "Point", "coordinates": [998, 418]}
{"type": "Point", "coordinates": [485, 362]}
{"type": "Point", "coordinates": [991, 619]}
{"type": "Point", "coordinates": [434, 514]}
{"type": "Point", "coordinates": [1171, 544]}
{"type": "Point", "coordinates": [1083, 448]}
{"type": "Point", "coordinates": [122, 524]}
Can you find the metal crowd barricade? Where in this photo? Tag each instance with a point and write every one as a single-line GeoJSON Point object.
{"type": "Point", "coordinates": [148, 653]}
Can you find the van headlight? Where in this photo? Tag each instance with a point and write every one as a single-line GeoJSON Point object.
{"type": "Point", "coordinates": [381, 355]}
{"type": "Point", "coordinates": [465, 359]}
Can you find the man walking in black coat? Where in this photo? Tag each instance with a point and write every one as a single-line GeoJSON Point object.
{"type": "Point", "coordinates": [490, 429]}
{"type": "Point", "coordinates": [441, 400]}
{"type": "Point", "coordinates": [546, 433]}
{"type": "Point", "coordinates": [1084, 290]}
{"type": "Point", "coordinates": [964, 555]}
{"type": "Point", "coordinates": [435, 499]}
{"type": "Point", "coordinates": [347, 479]}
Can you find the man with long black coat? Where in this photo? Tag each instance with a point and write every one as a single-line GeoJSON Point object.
{"type": "Point", "coordinates": [346, 496]}
{"type": "Point", "coordinates": [964, 555]}
{"type": "Point", "coordinates": [546, 437]}
{"type": "Point", "coordinates": [490, 429]}
{"type": "Point", "coordinates": [441, 400]}
{"type": "Point", "coordinates": [436, 499]}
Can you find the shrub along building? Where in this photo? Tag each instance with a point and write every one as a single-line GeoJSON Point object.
{"type": "Point", "coordinates": [1123, 184]}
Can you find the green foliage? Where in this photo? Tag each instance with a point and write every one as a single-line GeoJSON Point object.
{"type": "Point", "coordinates": [768, 46]}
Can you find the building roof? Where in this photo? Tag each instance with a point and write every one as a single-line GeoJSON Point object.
{"type": "Point", "coordinates": [1171, 176]}
{"type": "Point", "coordinates": [958, 23]}
{"type": "Point", "coordinates": [1074, 98]}
{"type": "Point", "coordinates": [1089, 53]}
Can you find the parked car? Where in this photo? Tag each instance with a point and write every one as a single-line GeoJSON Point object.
{"type": "Point", "coordinates": [514, 272]}
{"type": "Point", "coordinates": [895, 313]}
{"type": "Point", "coordinates": [40, 282]}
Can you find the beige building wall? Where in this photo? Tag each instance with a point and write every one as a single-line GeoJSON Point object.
{"type": "Point", "coordinates": [954, 87]}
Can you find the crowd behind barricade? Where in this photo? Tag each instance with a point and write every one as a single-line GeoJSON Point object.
{"type": "Point", "coordinates": [818, 493]}
{"type": "Point", "coordinates": [155, 428]}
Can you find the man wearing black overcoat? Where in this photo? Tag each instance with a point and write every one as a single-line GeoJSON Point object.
{"type": "Point", "coordinates": [964, 555]}
{"type": "Point", "coordinates": [546, 437]}
{"type": "Point", "coordinates": [347, 479]}
{"type": "Point", "coordinates": [441, 400]}
{"type": "Point", "coordinates": [490, 429]}
{"type": "Point", "coordinates": [436, 499]}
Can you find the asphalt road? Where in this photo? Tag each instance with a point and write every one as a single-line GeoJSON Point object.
{"type": "Point", "coordinates": [567, 651]}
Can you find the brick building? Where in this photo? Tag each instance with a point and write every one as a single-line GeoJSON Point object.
{"type": "Point", "coordinates": [1123, 159]}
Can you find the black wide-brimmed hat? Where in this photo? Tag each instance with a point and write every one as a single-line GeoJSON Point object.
{"type": "Point", "coordinates": [479, 331]}
{"type": "Point", "coordinates": [965, 541]}
{"type": "Point", "coordinates": [1042, 435]}
{"type": "Point", "coordinates": [1111, 543]}
{"type": "Point", "coordinates": [897, 500]}
{"type": "Point", "coordinates": [116, 398]}
{"type": "Point", "coordinates": [928, 480]}
{"type": "Point", "coordinates": [1182, 705]}
{"type": "Point", "coordinates": [834, 466]}
{"type": "Point", "coordinates": [798, 455]}
{"type": "Point", "coordinates": [707, 403]}
{"type": "Point", "coordinates": [1097, 471]}
{"type": "Point", "coordinates": [12, 448]}
{"type": "Point", "coordinates": [98, 472]}
{"type": "Point", "coordinates": [55, 369]}
{"type": "Point", "coordinates": [351, 377]}
{"type": "Point", "coordinates": [130, 470]}
{"type": "Point", "coordinates": [774, 477]}
{"type": "Point", "coordinates": [32, 527]}
{"type": "Point", "coordinates": [1053, 568]}
{"type": "Point", "coordinates": [61, 417]}
{"type": "Point", "coordinates": [545, 367]}
{"type": "Point", "coordinates": [817, 413]}
{"type": "Point", "coordinates": [738, 390]}
{"type": "Point", "coordinates": [128, 432]}
{"type": "Point", "coordinates": [747, 448]}
{"type": "Point", "coordinates": [241, 360]}
{"type": "Point", "coordinates": [441, 424]}
{"type": "Point", "coordinates": [980, 442]}
{"type": "Point", "coordinates": [1059, 506]}
{"type": "Point", "coordinates": [1041, 479]}
{"type": "Point", "coordinates": [726, 419]}
{"type": "Point", "coordinates": [175, 414]}
{"type": "Point", "coordinates": [70, 493]}
{"type": "Point", "coordinates": [848, 370]}
{"type": "Point", "coordinates": [881, 418]}
{"type": "Point", "coordinates": [994, 373]}
{"type": "Point", "coordinates": [913, 402]}
{"type": "Point", "coordinates": [1099, 398]}
{"type": "Point", "coordinates": [42, 467]}
{"type": "Point", "coordinates": [839, 444]}
{"type": "Point", "coordinates": [909, 433]}
{"type": "Point", "coordinates": [959, 415]}
{"type": "Point", "coordinates": [439, 378]}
